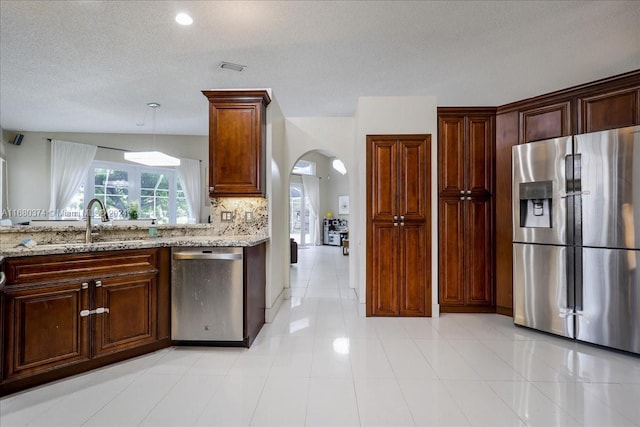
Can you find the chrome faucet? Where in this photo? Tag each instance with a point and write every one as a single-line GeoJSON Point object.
{"type": "Point", "coordinates": [104, 217]}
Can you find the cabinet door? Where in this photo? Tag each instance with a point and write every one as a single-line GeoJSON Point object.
{"type": "Point", "coordinates": [415, 289]}
{"type": "Point", "coordinates": [451, 155]}
{"type": "Point", "coordinates": [414, 192]}
{"type": "Point", "coordinates": [477, 260]}
{"type": "Point", "coordinates": [451, 262]}
{"type": "Point", "coordinates": [235, 147]}
{"type": "Point", "coordinates": [44, 329]}
{"type": "Point", "coordinates": [131, 317]}
{"type": "Point", "coordinates": [609, 111]}
{"type": "Point", "coordinates": [479, 155]}
{"type": "Point", "coordinates": [382, 161]}
{"type": "Point", "coordinates": [384, 270]}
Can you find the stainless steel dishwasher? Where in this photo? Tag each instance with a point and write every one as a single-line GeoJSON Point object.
{"type": "Point", "coordinates": [207, 295]}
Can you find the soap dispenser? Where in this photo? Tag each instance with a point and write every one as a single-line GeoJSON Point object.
{"type": "Point", "coordinates": [153, 230]}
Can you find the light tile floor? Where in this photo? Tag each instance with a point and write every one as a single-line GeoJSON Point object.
{"type": "Point", "coordinates": [321, 364]}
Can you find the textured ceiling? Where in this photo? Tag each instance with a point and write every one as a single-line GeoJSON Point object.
{"type": "Point", "coordinates": [91, 66]}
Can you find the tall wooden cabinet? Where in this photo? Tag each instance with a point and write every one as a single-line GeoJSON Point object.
{"type": "Point", "coordinates": [237, 141]}
{"type": "Point", "coordinates": [465, 205]}
{"type": "Point", "coordinates": [398, 225]}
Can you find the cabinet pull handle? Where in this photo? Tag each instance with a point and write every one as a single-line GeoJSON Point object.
{"type": "Point", "coordinates": [98, 283]}
{"type": "Point", "coordinates": [99, 310]}
{"type": "Point", "coordinates": [3, 279]}
{"type": "Point", "coordinates": [85, 285]}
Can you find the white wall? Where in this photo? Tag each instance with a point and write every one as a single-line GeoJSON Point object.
{"type": "Point", "coordinates": [391, 115]}
{"type": "Point", "coordinates": [28, 164]}
{"type": "Point", "coordinates": [278, 202]}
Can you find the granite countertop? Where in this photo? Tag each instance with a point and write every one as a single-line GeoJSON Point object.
{"type": "Point", "coordinates": [188, 241]}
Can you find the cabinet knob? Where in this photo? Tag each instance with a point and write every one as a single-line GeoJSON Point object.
{"type": "Point", "coordinates": [85, 285]}
{"type": "Point", "coordinates": [98, 283]}
{"type": "Point", "coordinates": [211, 189]}
{"type": "Point", "coordinates": [461, 191]}
{"type": "Point", "coordinates": [468, 198]}
{"type": "Point", "coordinates": [468, 191]}
{"type": "Point", "coordinates": [462, 198]}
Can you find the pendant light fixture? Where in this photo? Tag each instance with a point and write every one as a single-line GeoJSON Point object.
{"type": "Point", "coordinates": [152, 158]}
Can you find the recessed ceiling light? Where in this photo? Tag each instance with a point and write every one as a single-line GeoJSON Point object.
{"type": "Point", "coordinates": [184, 19]}
{"type": "Point", "coordinates": [232, 67]}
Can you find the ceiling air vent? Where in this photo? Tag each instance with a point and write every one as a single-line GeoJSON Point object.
{"type": "Point", "coordinates": [231, 67]}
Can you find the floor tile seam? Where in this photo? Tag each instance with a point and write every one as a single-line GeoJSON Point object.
{"type": "Point", "coordinates": [446, 390]}
{"type": "Point", "coordinates": [604, 402]}
{"type": "Point", "coordinates": [161, 398]}
{"type": "Point", "coordinates": [495, 394]}
{"type": "Point", "coordinates": [560, 409]}
{"type": "Point", "coordinates": [255, 408]}
{"type": "Point", "coordinates": [536, 383]}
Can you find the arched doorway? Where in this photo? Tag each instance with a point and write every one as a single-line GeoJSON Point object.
{"type": "Point", "coordinates": [318, 224]}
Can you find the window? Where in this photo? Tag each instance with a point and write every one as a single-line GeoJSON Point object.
{"type": "Point", "coordinates": [156, 192]}
{"type": "Point", "coordinates": [304, 167]}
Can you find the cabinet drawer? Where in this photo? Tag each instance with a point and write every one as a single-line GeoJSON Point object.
{"type": "Point", "coordinates": [47, 268]}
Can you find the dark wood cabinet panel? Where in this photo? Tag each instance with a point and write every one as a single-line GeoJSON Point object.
{"type": "Point", "coordinates": [609, 110]}
{"type": "Point", "coordinates": [415, 257]}
{"type": "Point", "coordinates": [478, 241]}
{"type": "Point", "coordinates": [466, 213]}
{"type": "Point", "coordinates": [415, 190]}
{"type": "Point", "coordinates": [237, 142]}
{"type": "Point", "coordinates": [130, 319]}
{"type": "Point", "coordinates": [451, 131]}
{"type": "Point", "coordinates": [398, 230]}
{"type": "Point", "coordinates": [479, 154]}
{"type": "Point", "coordinates": [384, 180]}
{"type": "Point", "coordinates": [44, 329]}
{"type": "Point", "coordinates": [506, 138]}
{"type": "Point", "coordinates": [384, 272]}
{"type": "Point", "coordinates": [549, 121]}
{"type": "Point", "coordinates": [254, 290]}
{"type": "Point", "coordinates": [451, 272]}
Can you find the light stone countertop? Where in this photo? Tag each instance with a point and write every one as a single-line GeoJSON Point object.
{"type": "Point", "coordinates": [148, 242]}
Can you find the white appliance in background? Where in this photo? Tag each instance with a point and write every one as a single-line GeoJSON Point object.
{"type": "Point", "coordinates": [576, 237]}
{"type": "Point", "coordinates": [334, 229]}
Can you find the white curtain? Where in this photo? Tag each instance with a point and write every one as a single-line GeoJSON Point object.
{"type": "Point", "coordinates": [189, 175]}
{"type": "Point", "coordinates": [312, 189]}
{"type": "Point", "coordinates": [70, 163]}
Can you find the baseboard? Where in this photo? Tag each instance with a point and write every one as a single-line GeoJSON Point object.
{"type": "Point", "coordinates": [270, 313]}
{"type": "Point", "coordinates": [466, 309]}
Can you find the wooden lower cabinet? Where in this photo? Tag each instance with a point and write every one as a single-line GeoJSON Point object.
{"type": "Point", "coordinates": [44, 329]}
{"type": "Point", "coordinates": [130, 322]}
{"type": "Point", "coordinates": [465, 254]}
{"type": "Point", "coordinates": [65, 314]}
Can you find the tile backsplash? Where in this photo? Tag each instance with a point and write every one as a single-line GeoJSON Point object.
{"type": "Point", "coordinates": [232, 216]}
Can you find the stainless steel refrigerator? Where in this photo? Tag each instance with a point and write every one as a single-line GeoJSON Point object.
{"type": "Point", "coordinates": [576, 237]}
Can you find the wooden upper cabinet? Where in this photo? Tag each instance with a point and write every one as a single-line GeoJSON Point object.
{"type": "Point", "coordinates": [237, 142]}
{"type": "Point", "coordinates": [465, 152]}
{"type": "Point", "coordinates": [549, 121]}
{"type": "Point", "coordinates": [609, 110]}
{"type": "Point", "coordinates": [451, 150]}
{"type": "Point", "coordinates": [414, 179]}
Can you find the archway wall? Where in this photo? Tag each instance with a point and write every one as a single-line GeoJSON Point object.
{"type": "Point", "coordinates": [335, 135]}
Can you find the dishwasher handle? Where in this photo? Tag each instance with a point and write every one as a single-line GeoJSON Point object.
{"type": "Point", "coordinates": [207, 255]}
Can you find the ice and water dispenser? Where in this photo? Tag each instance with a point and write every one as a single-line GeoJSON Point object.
{"type": "Point", "coordinates": [535, 204]}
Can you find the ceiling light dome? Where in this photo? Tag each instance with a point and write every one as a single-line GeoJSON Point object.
{"type": "Point", "coordinates": [184, 19]}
